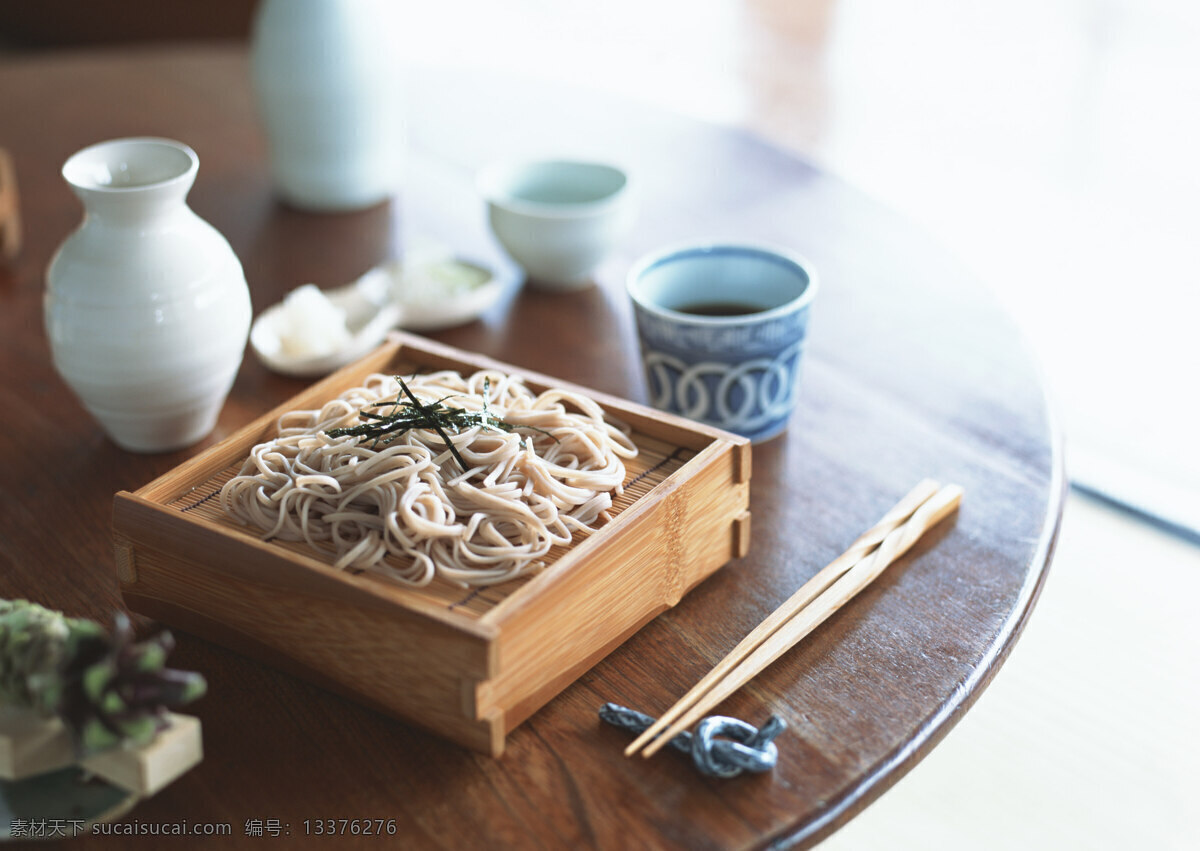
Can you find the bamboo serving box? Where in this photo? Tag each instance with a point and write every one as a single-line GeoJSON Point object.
{"type": "Point", "coordinates": [466, 664]}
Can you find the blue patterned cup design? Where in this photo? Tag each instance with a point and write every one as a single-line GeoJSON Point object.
{"type": "Point", "coordinates": [722, 331]}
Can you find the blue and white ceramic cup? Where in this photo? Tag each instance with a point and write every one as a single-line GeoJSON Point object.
{"type": "Point", "coordinates": [722, 331]}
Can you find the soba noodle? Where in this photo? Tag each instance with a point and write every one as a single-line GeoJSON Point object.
{"type": "Point", "coordinates": [406, 511]}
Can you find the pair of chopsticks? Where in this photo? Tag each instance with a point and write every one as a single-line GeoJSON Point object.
{"type": "Point", "coordinates": [924, 507]}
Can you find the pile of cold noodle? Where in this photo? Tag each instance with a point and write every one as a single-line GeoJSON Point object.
{"type": "Point", "coordinates": [403, 507]}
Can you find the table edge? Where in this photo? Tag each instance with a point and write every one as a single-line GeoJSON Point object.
{"type": "Point", "coordinates": [891, 770]}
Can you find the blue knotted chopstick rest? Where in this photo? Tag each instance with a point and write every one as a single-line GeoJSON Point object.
{"type": "Point", "coordinates": [743, 748]}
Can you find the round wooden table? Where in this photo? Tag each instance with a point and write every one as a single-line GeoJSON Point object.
{"type": "Point", "coordinates": [911, 372]}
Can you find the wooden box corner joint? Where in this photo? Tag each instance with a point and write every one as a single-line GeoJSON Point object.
{"type": "Point", "coordinates": [741, 535]}
{"type": "Point", "coordinates": [126, 560]}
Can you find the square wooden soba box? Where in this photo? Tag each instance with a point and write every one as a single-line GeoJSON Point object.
{"type": "Point", "coordinates": [469, 665]}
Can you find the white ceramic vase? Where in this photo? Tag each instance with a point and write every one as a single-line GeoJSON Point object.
{"type": "Point", "coordinates": [329, 94]}
{"type": "Point", "coordinates": [147, 308]}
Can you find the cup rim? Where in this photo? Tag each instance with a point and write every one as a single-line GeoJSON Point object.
{"type": "Point", "coordinates": [75, 164]}
{"type": "Point", "coordinates": [762, 249]}
{"type": "Point", "coordinates": [488, 177]}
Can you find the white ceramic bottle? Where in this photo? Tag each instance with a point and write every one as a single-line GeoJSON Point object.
{"type": "Point", "coordinates": [329, 94]}
{"type": "Point", "coordinates": [146, 307]}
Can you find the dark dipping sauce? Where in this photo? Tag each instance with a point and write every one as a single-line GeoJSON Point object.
{"type": "Point", "coordinates": [720, 308]}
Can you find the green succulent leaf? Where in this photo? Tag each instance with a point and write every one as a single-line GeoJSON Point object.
{"type": "Point", "coordinates": [106, 688]}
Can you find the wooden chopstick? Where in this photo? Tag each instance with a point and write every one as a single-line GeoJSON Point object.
{"type": "Point", "coordinates": [866, 543]}
{"type": "Point", "coordinates": [824, 594]}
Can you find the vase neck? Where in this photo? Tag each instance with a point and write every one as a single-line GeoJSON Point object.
{"type": "Point", "coordinates": [129, 180]}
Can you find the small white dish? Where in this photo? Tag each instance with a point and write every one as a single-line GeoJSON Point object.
{"type": "Point", "coordinates": [384, 298]}
{"type": "Point", "coordinates": [439, 294]}
{"type": "Point", "coordinates": [558, 219]}
{"type": "Point", "coordinates": [368, 322]}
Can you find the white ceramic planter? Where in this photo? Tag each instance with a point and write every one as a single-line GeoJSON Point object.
{"type": "Point", "coordinates": [147, 308]}
{"type": "Point", "coordinates": [329, 94]}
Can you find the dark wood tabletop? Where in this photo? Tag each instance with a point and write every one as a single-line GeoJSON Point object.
{"type": "Point", "coordinates": [912, 371]}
